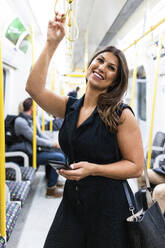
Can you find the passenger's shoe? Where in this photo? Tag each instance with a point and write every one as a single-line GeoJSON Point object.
{"type": "Point", "coordinates": [60, 184]}
{"type": "Point", "coordinates": [54, 192]}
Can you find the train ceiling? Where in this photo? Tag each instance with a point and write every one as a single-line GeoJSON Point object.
{"type": "Point", "coordinates": [102, 19]}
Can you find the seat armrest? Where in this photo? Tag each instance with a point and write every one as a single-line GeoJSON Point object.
{"type": "Point", "coordinates": [17, 170]}
{"type": "Point", "coordinates": [19, 154]}
{"type": "Point", "coordinates": [7, 193]}
{"type": "Point", "coordinates": [159, 158]}
{"type": "Point", "coordinates": [157, 148]}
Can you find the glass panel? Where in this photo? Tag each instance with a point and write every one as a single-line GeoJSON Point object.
{"type": "Point", "coordinates": [14, 30]}
{"type": "Point", "coordinates": [142, 100]}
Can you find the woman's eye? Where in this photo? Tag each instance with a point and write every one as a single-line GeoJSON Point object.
{"type": "Point", "coordinates": [111, 68]}
{"type": "Point", "coordinates": [100, 60]}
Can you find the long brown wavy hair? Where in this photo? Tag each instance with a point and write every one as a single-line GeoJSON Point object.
{"type": "Point", "coordinates": [109, 103]}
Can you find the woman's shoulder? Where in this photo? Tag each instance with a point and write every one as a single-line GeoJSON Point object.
{"type": "Point", "coordinates": [128, 120]}
{"type": "Point", "coordinates": [122, 106]}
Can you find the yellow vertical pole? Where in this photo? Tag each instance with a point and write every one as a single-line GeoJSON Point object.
{"type": "Point", "coordinates": [134, 81]}
{"type": "Point", "coordinates": [34, 111]}
{"type": "Point", "coordinates": [154, 99]}
{"type": "Point", "coordinates": [51, 124]}
{"type": "Point", "coordinates": [2, 154]}
{"type": "Point", "coordinates": [52, 75]}
{"type": "Point", "coordinates": [43, 121]}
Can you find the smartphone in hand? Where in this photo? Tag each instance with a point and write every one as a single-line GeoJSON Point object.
{"type": "Point", "coordinates": [57, 165]}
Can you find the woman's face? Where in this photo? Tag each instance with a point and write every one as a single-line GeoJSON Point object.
{"type": "Point", "coordinates": [102, 72]}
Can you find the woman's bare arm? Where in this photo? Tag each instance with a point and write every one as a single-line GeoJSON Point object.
{"type": "Point", "coordinates": [35, 86]}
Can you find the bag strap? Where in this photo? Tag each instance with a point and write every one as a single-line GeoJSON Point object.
{"type": "Point", "coordinates": [131, 206]}
{"type": "Point", "coordinates": [148, 192]}
{"type": "Point", "coordinates": [148, 188]}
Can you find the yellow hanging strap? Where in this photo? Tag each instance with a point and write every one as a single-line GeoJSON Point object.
{"type": "Point", "coordinates": [43, 121]}
{"type": "Point", "coordinates": [53, 81]}
{"type": "Point", "coordinates": [56, 7]}
{"type": "Point", "coordinates": [71, 23]}
{"type": "Point", "coordinates": [2, 155]}
{"type": "Point", "coordinates": [34, 111]}
{"type": "Point", "coordinates": [154, 100]}
{"type": "Point", "coordinates": [134, 81]}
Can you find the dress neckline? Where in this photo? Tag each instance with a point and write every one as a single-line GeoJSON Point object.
{"type": "Point", "coordinates": [90, 117]}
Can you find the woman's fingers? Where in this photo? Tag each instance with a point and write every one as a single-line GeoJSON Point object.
{"type": "Point", "coordinates": [59, 17]}
{"type": "Point", "coordinates": [71, 174]}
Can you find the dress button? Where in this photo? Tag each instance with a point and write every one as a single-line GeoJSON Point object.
{"type": "Point", "coordinates": [76, 188]}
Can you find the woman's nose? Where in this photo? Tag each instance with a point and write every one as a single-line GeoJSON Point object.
{"type": "Point", "coordinates": [101, 67]}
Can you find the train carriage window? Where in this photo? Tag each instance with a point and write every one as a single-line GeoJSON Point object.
{"type": "Point", "coordinates": [142, 100]}
{"type": "Point", "coordinates": [141, 91]}
{"type": "Point", "coordinates": [14, 31]}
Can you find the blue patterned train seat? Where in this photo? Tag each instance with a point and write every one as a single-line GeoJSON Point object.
{"type": "Point", "coordinates": [2, 242]}
{"type": "Point", "coordinates": [18, 190]}
{"type": "Point", "coordinates": [13, 210]}
{"type": "Point", "coordinates": [27, 173]}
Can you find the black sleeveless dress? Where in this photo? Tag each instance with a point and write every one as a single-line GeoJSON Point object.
{"type": "Point", "coordinates": [93, 210]}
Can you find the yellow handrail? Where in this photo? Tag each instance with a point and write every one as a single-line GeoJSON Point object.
{"type": "Point", "coordinates": [74, 75]}
{"type": "Point", "coordinates": [146, 33]}
{"type": "Point", "coordinates": [154, 99]}
{"type": "Point", "coordinates": [34, 111]}
{"type": "Point", "coordinates": [134, 81]}
{"type": "Point", "coordinates": [2, 155]}
{"type": "Point", "coordinates": [71, 20]}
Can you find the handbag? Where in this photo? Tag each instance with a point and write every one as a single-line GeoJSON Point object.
{"type": "Point", "coordinates": [146, 228]}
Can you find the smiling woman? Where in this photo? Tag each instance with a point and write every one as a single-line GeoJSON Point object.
{"type": "Point", "coordinates": [104, 67]}
{"type": "Point", "coordinates": [97, 122]}
{"type": "Point", "coordinates": [109, 66]}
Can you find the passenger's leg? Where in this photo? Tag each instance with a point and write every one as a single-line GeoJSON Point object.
{"type": "Point", "coordinates": [154, 178]}
{"type": "Point", "coordinates": [159, 196]}
{"type": "Point", "coordinates": [52, 176]}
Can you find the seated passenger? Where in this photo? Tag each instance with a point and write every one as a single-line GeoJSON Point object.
{"type": "Point", "coordinates": [46, 149]}
{"type": "Point", "coordinates": [158, 180]}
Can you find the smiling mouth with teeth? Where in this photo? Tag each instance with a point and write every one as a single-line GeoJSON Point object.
{"type": "Point", "coordinates": [98, 75]}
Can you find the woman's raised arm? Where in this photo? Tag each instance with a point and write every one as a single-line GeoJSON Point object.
{"type": "Point", "coordinates": [35, 86]}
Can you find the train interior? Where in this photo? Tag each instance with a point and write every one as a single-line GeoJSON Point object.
{"type": "Point", "coordinates": [135, 27]}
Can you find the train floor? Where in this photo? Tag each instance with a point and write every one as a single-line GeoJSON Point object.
{"type": "Point", "coordinates": [37, 214]}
